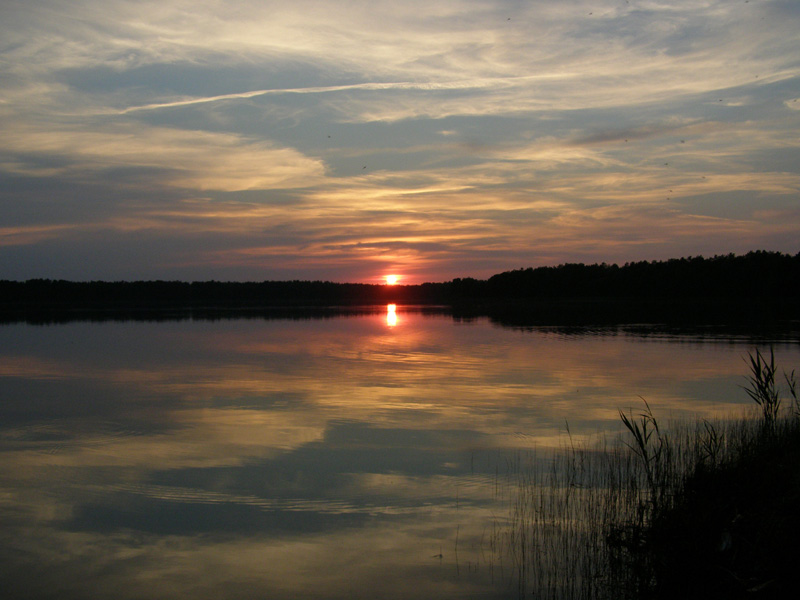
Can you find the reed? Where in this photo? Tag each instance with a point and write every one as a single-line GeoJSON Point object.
{"type": "Point", "coordinates": [762, 388]}
{"type": "Point", "coordinates": [701, 509]}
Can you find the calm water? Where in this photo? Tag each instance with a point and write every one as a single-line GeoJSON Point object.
{"type": "Point", "coordinates": [349, 457]}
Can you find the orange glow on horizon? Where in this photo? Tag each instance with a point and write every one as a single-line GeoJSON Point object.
{"type": "Point", "coordinates": [391, 279]}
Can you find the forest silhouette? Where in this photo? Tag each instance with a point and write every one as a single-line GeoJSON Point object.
{"type": "Point", "coordinates": [686, 286]}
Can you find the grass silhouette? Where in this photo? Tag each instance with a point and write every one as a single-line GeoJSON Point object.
{"type": "Point", "coordinates": [705, 509]}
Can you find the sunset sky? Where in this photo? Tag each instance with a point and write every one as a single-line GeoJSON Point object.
{"type": "Point", "coordinates": [346, 140]}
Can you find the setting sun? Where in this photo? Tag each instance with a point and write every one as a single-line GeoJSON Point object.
{"type": "Point", "coordinates": [391, 279]}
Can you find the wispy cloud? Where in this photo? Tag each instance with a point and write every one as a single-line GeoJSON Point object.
{"type": "Point", "coordinates": [201, 160]}
{"type": "Point", "coordinates": [404, 85]}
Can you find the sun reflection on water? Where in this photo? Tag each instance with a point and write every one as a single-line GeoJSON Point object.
{"type": "Point", "coordinates": [391, 315]}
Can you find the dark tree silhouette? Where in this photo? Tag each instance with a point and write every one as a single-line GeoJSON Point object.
{"type": "Point", "coordinates": [637, 287]}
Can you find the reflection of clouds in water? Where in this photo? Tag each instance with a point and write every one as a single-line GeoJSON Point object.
{"type": "Point", "coordinates": [468, 377]}
{"type": "Point", "coordinates": [33, 367]}
{"type": "Point", "coordinates": [201, 438]}
{"type": "Point", "coordinates": [378, 444]}
{"type": "Point", "coordinates": [395, 557]}
{"type": "Point", "coordinates": [78, 537]}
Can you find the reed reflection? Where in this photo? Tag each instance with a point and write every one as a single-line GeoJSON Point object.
{"type": "Point", "coordinates": [391, 315]}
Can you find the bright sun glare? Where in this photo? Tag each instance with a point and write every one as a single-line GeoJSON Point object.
{"type": "Point", "coordinates": [391, 279]}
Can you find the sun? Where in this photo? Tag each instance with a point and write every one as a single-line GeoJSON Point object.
{"type": "Point", "coordinates": [391, 279]}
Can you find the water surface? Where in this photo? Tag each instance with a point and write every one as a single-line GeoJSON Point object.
{"type": "Point", "coordinates": [351, 457]}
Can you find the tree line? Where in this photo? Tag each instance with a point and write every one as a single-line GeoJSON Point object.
{"type": "Point", "coordinates": [755, 275]}
{"type": "Point", "coordinates": [49, 293]}
{"type": "Point", "coordinates": [758, 274]}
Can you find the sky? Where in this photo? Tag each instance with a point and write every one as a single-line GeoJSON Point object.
{"type": "Point", "coordinates": [347, 140]}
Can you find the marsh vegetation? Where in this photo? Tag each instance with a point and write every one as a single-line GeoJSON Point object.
{"type": "Point", "coordinates": [705, 509]}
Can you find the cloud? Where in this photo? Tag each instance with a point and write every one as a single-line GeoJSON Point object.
{"type": "Point", "coordinates": [389, 86]}
{"type": "Point", "coordinates": [200, 160]}
{"type": "Point", "coordinates": [271, 135]}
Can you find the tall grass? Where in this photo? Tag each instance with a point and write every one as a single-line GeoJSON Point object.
{"type": "Point", "coordinates": [762, 388]}
{"type": "Point", "coordinates": [701, 509]}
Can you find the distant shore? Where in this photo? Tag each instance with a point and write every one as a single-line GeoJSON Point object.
{"type": "Point", "coordinates": [756, 287]}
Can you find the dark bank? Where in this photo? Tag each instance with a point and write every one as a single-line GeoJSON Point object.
{"type": "Point", "coordinates": [759, 288]}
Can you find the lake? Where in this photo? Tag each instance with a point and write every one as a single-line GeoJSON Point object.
{"type": "Point", "coordinates": [351, 456]}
